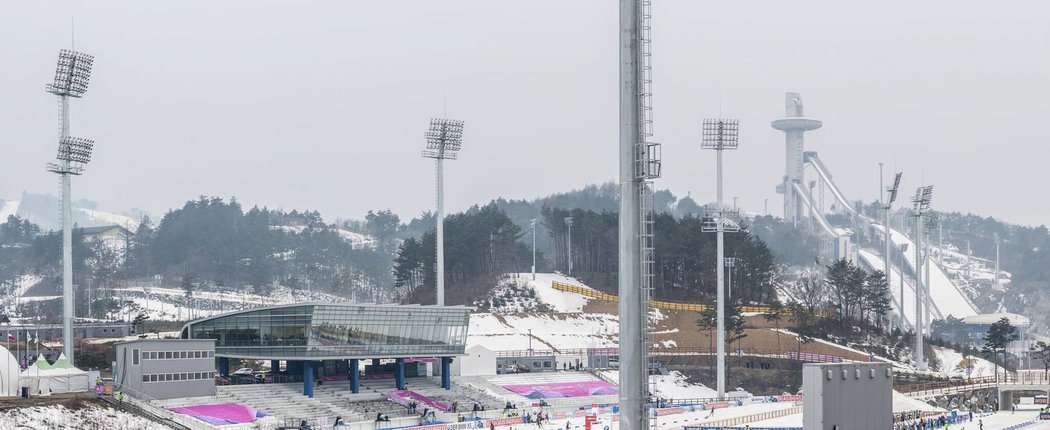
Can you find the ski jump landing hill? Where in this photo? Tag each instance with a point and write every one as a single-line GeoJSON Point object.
{"type": "Point", "coordinates": [946, 298]}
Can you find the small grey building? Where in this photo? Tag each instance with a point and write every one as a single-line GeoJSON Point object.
{"type": "Point", "coordinates": [165, 368]}
{"type": "Point", "coordinates": [847, 396]}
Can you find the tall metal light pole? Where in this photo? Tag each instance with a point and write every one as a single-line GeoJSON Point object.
{"type": "Point", "coordinates": [720, 134]}
{"type": "Point", "coordinates": [892, 191]}
{"type": "Point", "coordinates": [922, 198]}
{"type": "Point", "coordinates": [532, 223]}
{"type": "Point", "coordinates": [568, 222]}
{"type": "Point", "coordinates": [931, 221]}
{"type": "Point", "coordinates": [996, 285]}
{"type": "Point", "coordinates": [71, 80]}
{"type": "Point", "coordinates": [639, 162]}
{"type": "Point", "coordinates": [444, 139]}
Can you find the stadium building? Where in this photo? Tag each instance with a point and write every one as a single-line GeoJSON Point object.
{"type": "Point", "coordinates": [328, 341]}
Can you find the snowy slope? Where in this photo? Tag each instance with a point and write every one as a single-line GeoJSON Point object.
{"type": "Point", "coordinates": [8, 208]}
{"type": "Point", "coordinates": [58, 417]}
{"type": "Point", "coordinates": [558, 331]}
{"type": "Point", "coordinates": [560, 301]}
{"type": "Point", "coordinates": [674, 386]}
{"type": "Point", "coordinates": [953, 363]}
{"type": "Point", "coordinates": [949, 299]}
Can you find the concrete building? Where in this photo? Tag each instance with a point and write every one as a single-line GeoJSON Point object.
{"type": "Point", "coordinates": [478, 361]}
{"type": "Point", "coordinates": [841, 396]}
{"type": "Point", "coordinates": [165, 368]}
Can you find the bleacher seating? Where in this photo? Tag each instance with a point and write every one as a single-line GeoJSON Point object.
{"type": "Point", "coordinates": [334, 399]}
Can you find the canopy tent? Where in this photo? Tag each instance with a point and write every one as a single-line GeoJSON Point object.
{"type": "Point", "coordinates": [61, 377]}
{"type": "Point", "coordinates": [8, 373]}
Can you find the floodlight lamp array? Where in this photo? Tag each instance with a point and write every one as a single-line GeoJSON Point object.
{"type": "Point", "coordinates": [75, 149]}
{"type": "Point", "coordinates": [931, 219]}
{"type": "Point", "coordinates": [720, 133]}
{"type": "Point", "coordinates": [72, 73]}
{"type": "Point", "coordinates": [922, 199]}
{"type": "Point", "coordinates": [893, 190]}
{"type": "Point", "coordinates": [444, 138]}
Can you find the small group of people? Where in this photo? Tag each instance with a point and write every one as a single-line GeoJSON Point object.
{"type": "Point", "coordinates": [915, 421]}
{"type": "Point", "coordinates": [382, 417]}
{"type": "Point", "coordinates": [570, 366]}
{"type": "Point", "coordinates": [536, 417]}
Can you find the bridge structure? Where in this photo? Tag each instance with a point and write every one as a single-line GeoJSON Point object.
{"type": "Point", "coordinates": [1004, 389]}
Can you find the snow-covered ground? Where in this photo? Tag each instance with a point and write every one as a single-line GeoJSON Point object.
{"type": "Point", "coordinates": [675, 386]}
{"type": "Point", "coordinates": [8, 208]}
{"type": "Point", "coordinates": [355, 239]}
{"type": "Point", "coordinates": [560, 331]}
{"type": "Point", "coordinates": [170, 304]}
{"type": "Point", "coordinates": [97, 217]}
{"type": "Point", "coordinates": [58, 417]}
{"type": "Point", "coordinates": [950, 299]}
{"type": "Point", "coordinates": [952, 362]}
{"type": "Point", "coordinates": [560, 301]}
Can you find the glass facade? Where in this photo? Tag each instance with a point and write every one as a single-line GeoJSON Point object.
{"type": "Point", "coordinates": [336, 331]}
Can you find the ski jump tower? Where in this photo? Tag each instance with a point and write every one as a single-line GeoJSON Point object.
{"type": "Point", "coordinates": [794, 125]}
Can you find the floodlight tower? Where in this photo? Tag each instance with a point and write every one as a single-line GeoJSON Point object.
{"type": "Point", "coordinates": [892, 192]}
{"type": "Point", "coordinates": [444, 139]}
{"type": "Point", "coordinates": [71, 80]}
{"type": "Point", "coordinates": [794, 125]}
{"type": "Point", "coordinates": [931, 221]}
{"type": "Point", "coordinates": [568, 222]}
{"type": "Point", "coordinates": [922, 198]}
{"type": "Point", "coordinates": [639, 162]}
{"type": "Point", "coordinates": [532, 224]}
{"type": "Point", "coordinates": [720, 134]}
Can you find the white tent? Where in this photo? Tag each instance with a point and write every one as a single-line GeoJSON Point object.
{"type": "Point", "coordinates": [43, 378]}
{"type": "Point", "coordinates": [8, 373]}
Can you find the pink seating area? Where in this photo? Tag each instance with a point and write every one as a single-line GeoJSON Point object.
{"type": "Point", "coordinates": [221, 413]}
{"type": "Point", "coordinates": [564, 389]}
{"type": "Point", "coordinates": [404, 397]}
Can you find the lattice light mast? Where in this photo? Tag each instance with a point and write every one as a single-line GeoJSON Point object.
{"type": "Point", "coordinates": [71, 80]}
{"type": "Point", "coordinates": [444, 139]}
{"type": "Point", "coordinates": [639, 162]}
{"type": "Point", "coordinates": [719, 135]}
{"type": "Point", "coordinates": [891, 197]}
{"type": "Point", "coordinates": [921, 201]}
{"type": "Point", "coordinates": [568, 223]}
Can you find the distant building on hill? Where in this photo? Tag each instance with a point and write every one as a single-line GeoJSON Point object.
{"type": "Point", "coordinates": [106, 233]}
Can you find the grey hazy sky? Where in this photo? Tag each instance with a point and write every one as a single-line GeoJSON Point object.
{"type": "Point", "coordinates": [323, 105]}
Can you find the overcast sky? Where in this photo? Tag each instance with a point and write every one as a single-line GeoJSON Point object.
{"type": "Point", "coordinates": [323, 105]}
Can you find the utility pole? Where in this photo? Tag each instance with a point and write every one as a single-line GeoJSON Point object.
{"type": "Point", "coordinates": [996, 285]}
{"type": "Point", "coordinates": [532, 223]}
{"type": "Point", "coordinates": [568, 222]}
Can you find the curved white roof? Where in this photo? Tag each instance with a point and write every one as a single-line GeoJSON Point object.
{"type": "Point", "coordinates": [1015, 319]}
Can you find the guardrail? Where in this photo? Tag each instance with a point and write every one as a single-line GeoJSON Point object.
{"type": "Point", "coordinates": [752, 418]}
